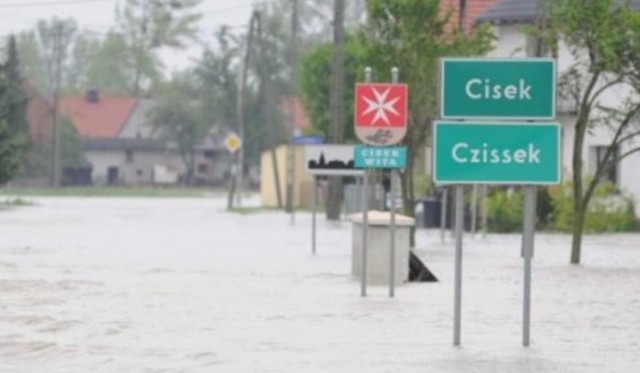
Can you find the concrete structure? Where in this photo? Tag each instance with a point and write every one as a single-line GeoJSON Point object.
{"type": "Point", "coordinates": [379, 246]}
{"type": "Point", "coordinates": [507, 18]}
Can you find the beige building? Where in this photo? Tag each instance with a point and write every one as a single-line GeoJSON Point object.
{"type": "Point", "coordinates": [274, 162]}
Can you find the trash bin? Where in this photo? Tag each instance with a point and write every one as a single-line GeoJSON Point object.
{"type": "Point", "coordinates": [353, 198]}
{"type": "Point", "coordinates": [428, 212]}
{"type": "Point", "coordinates": [379, 246]}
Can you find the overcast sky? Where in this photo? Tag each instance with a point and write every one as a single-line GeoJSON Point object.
{"type": "Point", "coordinates": [98, 17]}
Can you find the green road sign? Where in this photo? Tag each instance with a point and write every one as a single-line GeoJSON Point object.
{"type": "Point", "coordinates": [496, 153]}
{"type": "Point", "coordinates": [492, 88]}
{"type": "Point", "coordinates": [380, 157]}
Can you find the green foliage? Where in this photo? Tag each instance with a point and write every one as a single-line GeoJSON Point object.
{"type": "Point", "coordinates": [29, 55]}
{"type": "Point", "coordinates": [315, 85]}
{"type": "Point", "coordinates": [93, 64]}
{"type": "Point", "coordinates": [215, 72]}
{"type": "Point", "coordinates": [38, 157]}
{"type": "Point", "coordinates": [13, 122]}
{"type": "Point", "coordinates": [544, 207]}
{"type": "Point", "coordinates": [124, 61]}
{"type": "Point", "coordinates": [72, 152]}
{"type": "Point", "coordinates": [44, 52]}
{"type": "Point", "coordinates": [264, 122]}
{"type": "Point", "coordinates": [607, 29]}
{"type": "Point", "coordinates": [602, 38]}
{"type": "Point", "coordinates": [9, 145]}
{"type": "Point", "coordinates": [608, 212]}
{"type": "Point", "coordinates": [16, 201]}
{"type": "Point", "coordinates": [504, 210]}
{"type": "Point", "coordinates": [413, 35]}
{"type": "Point", "coordinates": [178, 119]}
{"type": "Point", "coordinates": [424, 185]}
{"type": "Point", "coordinates": [147, 26]}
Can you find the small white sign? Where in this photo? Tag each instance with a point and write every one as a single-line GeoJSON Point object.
{"type": "Point", "coordinates": [330, 160]}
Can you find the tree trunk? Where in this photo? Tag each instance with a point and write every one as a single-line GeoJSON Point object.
{"type": "Point", "coordinates": [233, 182]}
{"type": "Point", "coordinates": [337, 101]}
{"type": "Point", "coordinates": [408, 196]}
{"type": "Point", "coordinates": [578, 207]}
{"type": "Point", "coordinates": [579, 218]}
{"type": "Point", "coordinates": [334, 198]}
{"type": "Point", "coordinates": [410, 208]}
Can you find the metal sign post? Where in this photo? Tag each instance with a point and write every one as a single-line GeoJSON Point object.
{"type": "Point", "coordinates": [474, 209]}
{"type": "Point", "coordinates": [457, 319]}
{"type": "Point", "coordinates": [324, 160]}
{"type": "Point", "coordinates": [484, 210]}
{"type": "Point", "coordinates": [233, 143]}
{"type": "Point", "coordinates": [365, 237]}
{"type": "Point", "coordinates": [443, 213]}
{"type": "Point", "coordinates": [380, 120]}
{"type": "Point", "coordinates": [392, 250]}
{"type": "Point", "coordinates": [365, 210]}
{"type": "Point", "coordinates": [314, 208]}
{"type": "Point", "coordinates": [497, 152]}
{"type": "Point", "coordinates": [528, 242]}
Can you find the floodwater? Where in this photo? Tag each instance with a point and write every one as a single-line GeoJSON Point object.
{"type": "Point", "coordinates": [179, 285]}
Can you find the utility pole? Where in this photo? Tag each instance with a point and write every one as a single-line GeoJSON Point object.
{"type": "Point", "coordinates": [337, 97]}
{"type": "Point", "coordinates": [291, 167]}
{"type": "Point", "coordinates": [238, 167]}
{"type": "Point", "coordinates": [266, 106]}
{"type": "Point", "coordinates": [55, 131]}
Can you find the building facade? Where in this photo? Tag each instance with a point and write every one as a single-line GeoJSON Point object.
{"type": "Point", "coordinates": [507, 18]}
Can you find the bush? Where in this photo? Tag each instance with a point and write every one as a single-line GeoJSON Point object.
{"type": "Point", "coordinates": [608, 211]}
{"type": "Point", "coordinates": [505, 210]}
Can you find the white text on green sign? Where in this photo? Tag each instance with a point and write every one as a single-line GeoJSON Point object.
{"type": "Point", "coordinates": [380, 157]}
{"type": "Point", "coordinates": [498, 88]}
{"type": "Point", "coordinates": [496, 153]}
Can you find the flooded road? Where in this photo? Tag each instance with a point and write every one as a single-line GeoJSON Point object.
{"type": "Point", "coordinates": [179, 285]}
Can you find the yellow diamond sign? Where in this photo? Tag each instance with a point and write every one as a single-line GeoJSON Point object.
{"type": "Point", "coordinates": [232, 142]}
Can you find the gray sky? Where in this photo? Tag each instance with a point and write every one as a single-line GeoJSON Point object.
{"type": "Point", "coordinates": [98, 16]}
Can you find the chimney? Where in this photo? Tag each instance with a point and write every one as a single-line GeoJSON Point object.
{"type": "Point", "coordinates": [93, 96]}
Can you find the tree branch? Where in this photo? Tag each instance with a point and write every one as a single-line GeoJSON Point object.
{"type": "Point", "coordinates": [606, 86]}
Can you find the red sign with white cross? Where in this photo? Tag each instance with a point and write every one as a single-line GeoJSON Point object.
{"type": "Point", "coordinates": [380, 113]}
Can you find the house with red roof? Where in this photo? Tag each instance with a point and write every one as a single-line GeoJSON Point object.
{"type": "Point", "coordinates": [508, 19]}
{"type": "Point", "coordinates": [123, 148]}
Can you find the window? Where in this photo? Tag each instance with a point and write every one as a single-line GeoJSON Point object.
{"type": "Point", "coordinates": [129, 156]}
{"type": "Point", "coordinates": [534, 45]}
{"type": "Point", "coordinates": [203, 168]}
{"type": "Point", "coordinates": [597, 156]}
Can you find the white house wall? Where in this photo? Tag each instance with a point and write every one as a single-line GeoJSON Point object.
{"type": "Point", "coordinates": [139, 124]}
{"type": "Point", "coordinates": [510, 42]}
{"type": "Point", "coordinates": [139, 171]}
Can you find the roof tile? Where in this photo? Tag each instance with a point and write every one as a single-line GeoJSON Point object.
{"type": "Point", "coordinates": [102, 119]}
{"type": "Point", "coordinates": [474, 8]}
